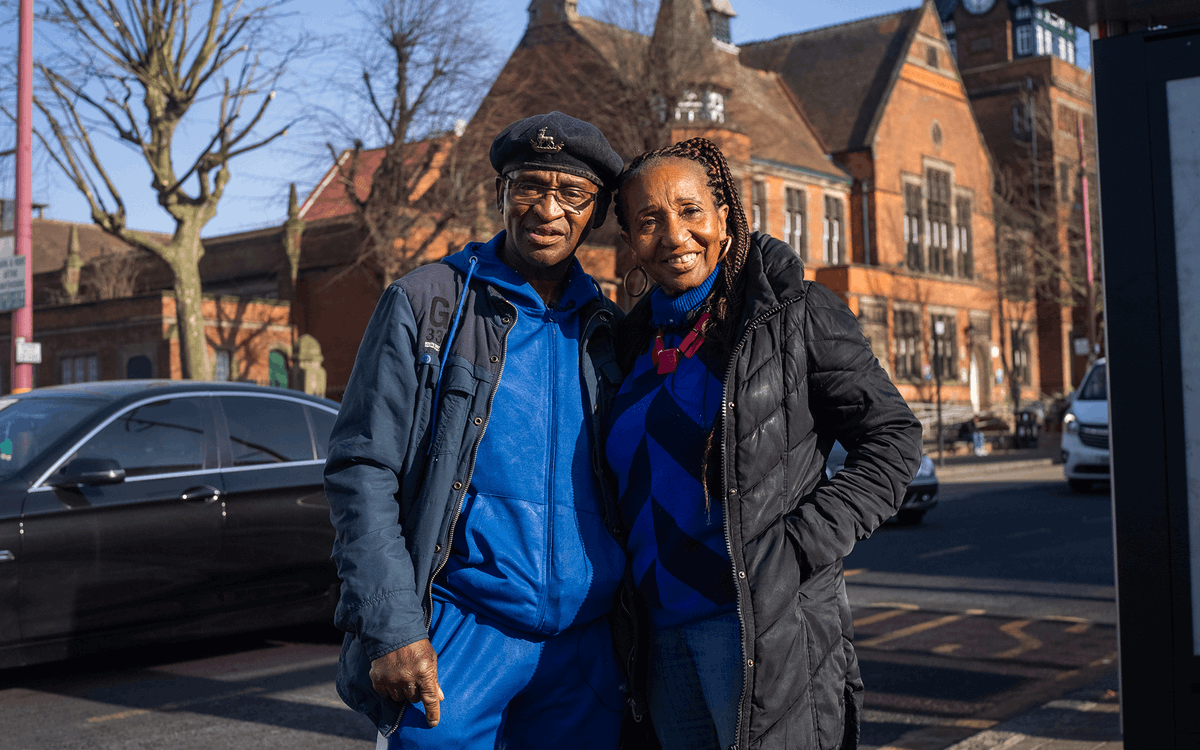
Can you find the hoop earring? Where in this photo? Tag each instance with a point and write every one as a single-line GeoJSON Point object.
{"type": "Point", "coordinates": [645, 282]}
{"type": "Point", "coordinates": [728, 243]}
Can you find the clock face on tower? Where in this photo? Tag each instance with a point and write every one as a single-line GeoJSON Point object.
{"type": "Point", "coordinates": [979, 7]}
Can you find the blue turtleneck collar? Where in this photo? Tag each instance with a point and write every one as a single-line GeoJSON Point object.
{"type": "Point", "coordinates": [673, 311]}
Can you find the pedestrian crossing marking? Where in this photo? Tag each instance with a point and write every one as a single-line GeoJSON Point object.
{"type": "Point", "coordinates": [1026, 642]}
{"type": "Point", "coordinates": [879, 617]}
{"type": "Point", "coordinates": [911, 630]}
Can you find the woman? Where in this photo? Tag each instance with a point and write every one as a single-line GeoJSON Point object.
{"type": "Point", "coordinates": [739, 376]}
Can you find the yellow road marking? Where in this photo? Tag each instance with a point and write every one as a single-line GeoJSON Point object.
{"type": "Point", "coordinates": [173, 706]}
{"type": "Point", "coordinates": [1079, 627]}
{"type": "Point", "coordinates": [947, 648]}
{"type": "Point", "coordinates": [975, 612]}
{"type": "Point", "coordinates": [911, 630]}
{"type": "Point", "coordinates": [1105, 660]}
{"type": "Point", "coordinates": [896, 605]}
{"type": "Point", "coordinates": [854, 572]}
{"type": "Point", "coordinates": [1025, 641]}
{"type": "Point", "coordinates": [879, 617]}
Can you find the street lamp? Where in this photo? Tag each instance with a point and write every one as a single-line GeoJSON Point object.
{"type": "Point", "coordinates": [939, 329]}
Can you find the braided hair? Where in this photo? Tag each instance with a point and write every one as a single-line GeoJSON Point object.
{"type": "Point", "coordinates": [726, 300]}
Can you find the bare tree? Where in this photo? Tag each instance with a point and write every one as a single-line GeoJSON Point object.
{"type": "Point", "coordinates": [1039, 225]}
{"type": "Point", "coordinates": [113, 274]}
{"type": "Point", "coordinates": [424, 67]}
{"type": "Point", "coordinates": [135, 72]}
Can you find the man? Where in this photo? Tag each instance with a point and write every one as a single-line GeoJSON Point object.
{"type": "Point", "coordinates": [475, 536]}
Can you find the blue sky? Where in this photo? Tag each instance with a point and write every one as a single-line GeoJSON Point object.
{"type": "Point", "coordinates": [256, 194]}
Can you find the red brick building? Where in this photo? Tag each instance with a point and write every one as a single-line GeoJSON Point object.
{"type": "Point", "coordinates": [857, 144]}
{"type": "Point", "coordinates": [1017, 61]}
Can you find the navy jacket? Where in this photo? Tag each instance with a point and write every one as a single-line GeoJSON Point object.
{"type": "Point", "coordinates": [402, 452]}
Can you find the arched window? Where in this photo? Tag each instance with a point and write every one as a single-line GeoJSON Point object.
{"type": "Point", "coordinates": [139, 368]}
{"type": "Point", "coordinates": [278, 368]}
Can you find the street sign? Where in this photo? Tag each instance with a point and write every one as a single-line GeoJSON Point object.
{"type": "Point", "coordinates": [12, 283]}
{"type": "Point", "coordinates": [28, 352]}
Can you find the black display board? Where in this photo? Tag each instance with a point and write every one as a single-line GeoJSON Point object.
{"type": "Point", "coordinates": [1147, 87]}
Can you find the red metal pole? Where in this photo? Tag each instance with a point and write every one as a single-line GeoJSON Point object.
{"type": "Point", "coordinates": [22, 318]}
{"type": "Point", "coordinates": [1087, 247]}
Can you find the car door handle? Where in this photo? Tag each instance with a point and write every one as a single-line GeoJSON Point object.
{"type": "Point", "coordinates": [202, 494]}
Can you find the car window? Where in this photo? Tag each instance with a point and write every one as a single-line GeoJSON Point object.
{"type": "Point", "coordinates": [155, 438]}
{"type": "Point", "coordinates": [322, 422]}
{"type": "Point", "coordinates": [1095, 388]}
{"type": "Point", "coordinates": [30, 425]}
{"type": "Point", "coordinates": [266, 430]}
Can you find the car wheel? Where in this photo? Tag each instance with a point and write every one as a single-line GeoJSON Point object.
{"type": "Point", "coordinates": [909, 517]}
{"type": "Point", "coordinates": [1079, 485]}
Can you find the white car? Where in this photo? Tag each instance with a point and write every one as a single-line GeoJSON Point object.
{"type": "Point", "coordinates": [1085, 431]}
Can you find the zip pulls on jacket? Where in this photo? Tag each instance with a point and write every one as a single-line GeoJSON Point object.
{"type": "Point", "coordinates": [437, 390]}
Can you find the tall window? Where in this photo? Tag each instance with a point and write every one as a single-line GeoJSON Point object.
{"type": "Point", "coordinates": [908, 345]}
{"type": "Point", "coordinates": [758, 206]}
{"type": "Point", "coordinates": [872, 315]}
{"type": "Point", "coordinates": [277, 368]}
{"type": "Point", "coordinates": [937, 216]}
{"type": "Point", "coordinates": [1064, 183]}
{"type": "Point", "coordinates": [223, 367]}
{"type": "Point", "coordinates": [1020, 118]}
{"type": "Point", "coordinates": [1020, 354]}
{"type": "Point", "coordinates": [82, 369]}
{"type": "Point", "coordinates": [834, 239]}
{"type": "Point", "coordinates": [943, 346]}
{"type": "Point", "coordinates": [966, 253]}
{"type": "Point", "coordinates": [794, 221]}
{"type": "Point", "coordinates": [912, 227]}
{"type": "Point", "coordinates": [1024, 39]}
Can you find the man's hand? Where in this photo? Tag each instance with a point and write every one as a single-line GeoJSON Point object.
{"type": "Point", "coordinates": [409, 675]}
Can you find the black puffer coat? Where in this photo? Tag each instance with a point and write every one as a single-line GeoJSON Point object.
{"type": "Point", "coordinates": [801, 376]}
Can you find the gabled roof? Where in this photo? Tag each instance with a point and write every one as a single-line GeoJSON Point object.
{"type": "Point", "coordinates": [841, 74]}
{"type": "Point", "coordinates": [50, 239]}
{"type": "Point", "coordinates": [328, 199]}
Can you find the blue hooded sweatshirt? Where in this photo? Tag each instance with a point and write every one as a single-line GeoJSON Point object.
{"type": "Point", "coordinates": [530, 548]}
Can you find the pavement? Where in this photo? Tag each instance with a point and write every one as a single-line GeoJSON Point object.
{"type": "Point", "coordinates": [1085, 719]}
{"type": "Point", "coordinates": [950, 467]}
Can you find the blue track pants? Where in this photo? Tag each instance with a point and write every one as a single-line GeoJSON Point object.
{"type": "Point", "coordinates": [512, 690]}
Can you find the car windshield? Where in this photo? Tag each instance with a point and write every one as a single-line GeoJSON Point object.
{"type": "Point", "coordinates": [1095, 388]}
{"type": "Point", "coordinates": [30, 425]}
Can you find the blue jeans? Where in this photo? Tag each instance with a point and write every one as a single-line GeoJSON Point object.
{"type": "Point", "coordinates": [695, 683]}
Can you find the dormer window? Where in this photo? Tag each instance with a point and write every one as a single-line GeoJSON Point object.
{"type": "Point", "coordinates": [701, 106]}
{"type": "Point", "coordinates": [720, 27]}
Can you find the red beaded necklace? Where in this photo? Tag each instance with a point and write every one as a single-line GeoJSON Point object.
{"type": "Point", "coordinates": [668, 359]}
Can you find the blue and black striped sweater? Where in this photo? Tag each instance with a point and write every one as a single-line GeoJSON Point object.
{"type": "Point", "coordinates": [657, 433]}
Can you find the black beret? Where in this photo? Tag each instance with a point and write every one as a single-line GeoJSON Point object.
{"type": "Point", "coordinates": [559, 143]}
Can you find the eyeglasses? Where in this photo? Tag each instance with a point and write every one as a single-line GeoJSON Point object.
{"type": "Point", "coordinates": [571, 199]}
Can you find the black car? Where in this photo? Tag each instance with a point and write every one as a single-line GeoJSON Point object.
{"type": "Point", "coordinates": [159, 510]}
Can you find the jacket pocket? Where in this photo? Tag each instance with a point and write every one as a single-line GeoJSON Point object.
{"type": "Point", "coordinates": [459, 392]}
{"type": "Point", "coordinates": [499, 557]}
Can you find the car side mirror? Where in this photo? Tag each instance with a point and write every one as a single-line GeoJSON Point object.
{"type": "Point", "coordinates": [83, 472]}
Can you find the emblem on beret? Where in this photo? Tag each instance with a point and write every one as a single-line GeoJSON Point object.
{"type": "Point", "coordinates": [545, 144]}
